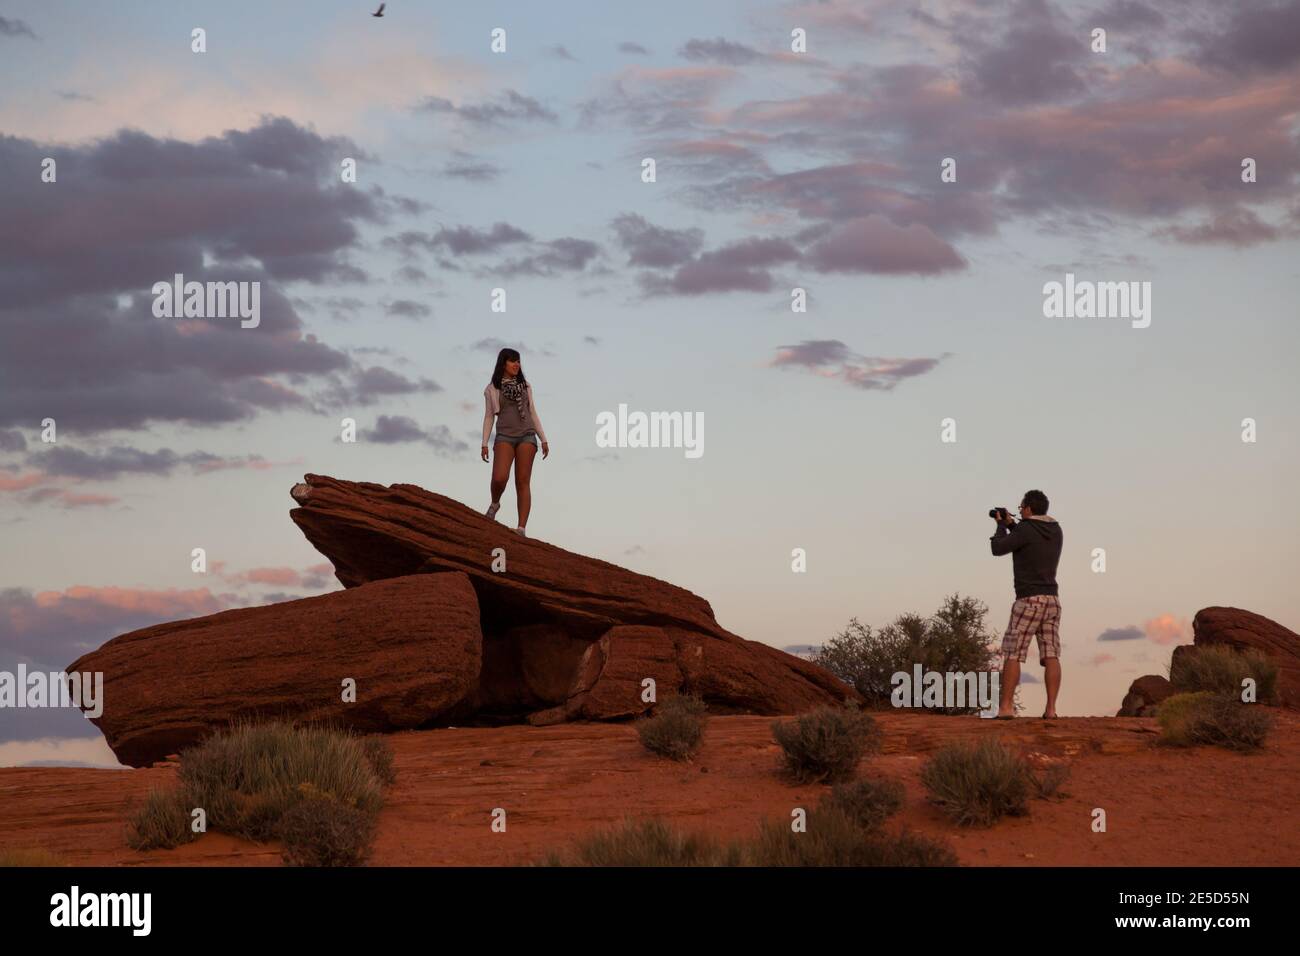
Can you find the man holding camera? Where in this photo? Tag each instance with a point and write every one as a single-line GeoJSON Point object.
{"type": "Point", "coordinates": [1034, 544]}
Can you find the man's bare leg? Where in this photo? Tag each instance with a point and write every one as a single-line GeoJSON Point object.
{"type": "Point", "coordinates": [1052, 678]}
{"type": "Point", "coordinates": [1010, 681]}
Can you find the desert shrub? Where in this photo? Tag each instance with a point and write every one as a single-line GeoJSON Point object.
{"type": "Point", "coordinates": [318, 830]}
{"type": "Point", "coordinates": [29, 856]}
{"type": "Point", "coordinates": [163, 822]}
{"type": "Point", "coordinates": [826, 744]}
{"type": "Point", "coordinates": [1221, 669]}
{"type": "Point", "coordinates": [253, 779]}
{"type": "Point", "coordinates": [380, 757]}
{"type": "Point", "coordinates": [866, 801]}
{"type": "Point", "coordinates": [248, 777]}
{"type": "Point", "coordinates": [977, 783]}
{"type": "Point", "coordinates": [1187, 720]}
{"type": "Point", "coordinates": [913, 849]}
{"type": "Point", "coordinates": [647, 843]}
{"type": "Point", "coordinates": [953, 640]}
{"type": "Point", "coordinates": [676, 727]}
{"type": "Point", "coordinates": [1178, 715]}
{"type": "Point", "coordinates": [834, 838]}
{"type": "Point", "coordinates": [1048, 781]}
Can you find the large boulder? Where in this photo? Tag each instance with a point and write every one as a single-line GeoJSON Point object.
{"type": "Point", "coordinates": [446, 616]}
{"type": "Point", "coordinates": [1144, 696]}
{"type": "Point", "coordinates": [565, 636]}
{"type": "Point", "coordinates": [1245, 630]}
{"type": "Point", "coordinates": [412, 644]}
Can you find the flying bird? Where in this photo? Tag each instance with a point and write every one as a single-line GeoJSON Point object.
{"type": "Point", "coordinates": [380, 11]}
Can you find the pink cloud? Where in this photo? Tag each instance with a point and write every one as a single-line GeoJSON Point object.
{"type": "Point", "coordinates": [284, 577]}
{"type": "Point", "coordinates": [313, 578]}
{"type": "Point", "coordinates": [71, 500]}
{"type": "Point", "coordinates": [82, 599]}
{"type": "Point", "coordinates": [1168, 629]}
{"type": "Point", "coordinates": [12, 481]}
{"type": "Point", "coordinates": [53, 628]}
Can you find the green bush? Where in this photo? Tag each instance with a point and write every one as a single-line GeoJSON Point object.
{"type": "Point", "coordinates": [1047, 783]}
{"type": "Point", "coordinates": [953, 640]}
{"type": "Point", "coordinates": [833, 838]}
{"type": "Point", "coordinates": [1221, 669]}
{"type": "Point", "coordinates": [978, 783]}
{"type": "Point", "coordinates": [248, 777]}
{"type": "Point", "coordinates": [320, 831]}
{"type": "Point", "coordinates": [163, 822]}
{"type": "Point", "coordinates": [29, 856]}
{"type": "Point", "coordinates": [1187, 720]}
{"type": "Point", "coordinates": [676, 727]}
{"type": "Point", "coordinates": [253, 779]}
{"type": "Point", "coordinates": [826, 744]}
{"type": "Point", "coordinates": [647, 843]}
{"type": "Point", "coordinates": [914, 849]}
{"type": "Point", "coordinates": [867, 802]}
{"type": "Point", "coordinates": [379, 754]}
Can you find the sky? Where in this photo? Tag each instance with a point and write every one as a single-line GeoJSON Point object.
{"type": "Point", "coordinates": [775, 170]}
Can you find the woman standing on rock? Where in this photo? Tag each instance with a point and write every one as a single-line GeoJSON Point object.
{"type": "Point", "coordinates": [509, 399]}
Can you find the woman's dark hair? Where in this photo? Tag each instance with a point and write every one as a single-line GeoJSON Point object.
{"type": "Point", "coordinates": [506, 355]}
{"type": "Point", "coordinates": [1037, 501]}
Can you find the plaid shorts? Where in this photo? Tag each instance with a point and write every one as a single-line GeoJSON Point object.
{"type": "Point", "coordinates": [1038, 615]}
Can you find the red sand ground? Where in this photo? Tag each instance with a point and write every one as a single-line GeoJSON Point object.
{"type": "Point", "coordinates": [1199, 807]}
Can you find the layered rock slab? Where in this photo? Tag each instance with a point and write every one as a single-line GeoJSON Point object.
{"type": "Point", "coordinates": [412, 644]}
{"type": "Point", "coordinates": [573, 636]}
{"type": "Point", "coordinates": [1246, 630]}
{"type": "Point", "coordinates": [1225, 627]}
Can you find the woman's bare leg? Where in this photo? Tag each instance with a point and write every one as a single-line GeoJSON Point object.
{"type": "Point", "coordinates": [524, 455]}
{"type": "Point", "coordinates": [503, 453]}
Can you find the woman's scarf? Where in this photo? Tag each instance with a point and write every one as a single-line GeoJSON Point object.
{"type": "Point", "coordinates": [512, 391]}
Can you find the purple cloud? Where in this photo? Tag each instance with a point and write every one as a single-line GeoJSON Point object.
{"type": "Point", "coordinates": [510, 107]}
{"type": "Point", "coordinates": [270, 209]}
{"type": "Point", "coordinates": [875, 244]}
{"type": "Point", "coordinates": [1036, 59]}
{"type": "Point", "coordinates": [408, 309]}
{"type": "Point", "coordinates": [655, 246]}
{"type": "Point", "coordinates": [399, 429]}
{"type": "Point", "coordinates": [831, 358]}
{"type": "Point", "coordinates": [736, 267]}
{"type": "Point", "coordinates": [1122, 634]}
{"type": "Point", "coordinates": [15, 28]}
{"type": "Point", "coordinates": [719, 50]}
{"type": "Point", "coordinates": [1232, 227]}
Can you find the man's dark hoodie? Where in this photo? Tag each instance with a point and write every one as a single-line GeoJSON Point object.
{"type": "Point", "coordinates": [1035, 548]}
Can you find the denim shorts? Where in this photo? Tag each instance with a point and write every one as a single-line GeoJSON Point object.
{"type": "Point", "coordinates": [531, 438]}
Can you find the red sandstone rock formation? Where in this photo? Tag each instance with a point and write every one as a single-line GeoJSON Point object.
{"type": "Point", "coordinates": [411, 644]}
{"type": "Point", "coordinates": [565, 636]}
{"type": "Point", "coordinates": [1144, 695]}
{"type": "Point", "coordinates": [1235, 628]}
{"type": "Point", "coordinates": [1245, 630]}
{"type": "Point", "coordinates": [431, 633]}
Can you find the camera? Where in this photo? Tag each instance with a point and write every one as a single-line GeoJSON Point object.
{"type": "Point", "coordinates": [1002, 514]}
